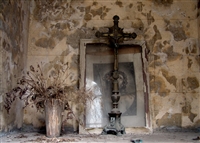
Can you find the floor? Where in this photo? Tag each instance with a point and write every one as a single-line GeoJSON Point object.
{"type": "Point", "coordinates": [156, 137]}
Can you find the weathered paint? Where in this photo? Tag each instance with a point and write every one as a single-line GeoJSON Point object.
{"type": "Point", "coordinates": [13, 52]}
{"type": "Point", "coordinates": [170, 29]}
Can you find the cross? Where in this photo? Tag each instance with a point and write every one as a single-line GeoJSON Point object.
{"type": "Point", "coordinates": [115, 36]}
{"type": "Point", "coordinates": [115, 33]}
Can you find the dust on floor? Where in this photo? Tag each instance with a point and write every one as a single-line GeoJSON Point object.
{"type": "Point", "coordinates": [156, 137]}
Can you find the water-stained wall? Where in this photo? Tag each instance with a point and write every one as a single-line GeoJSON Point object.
{"type": "Point", "coordinates": [169, 28]}
{"type": "Point", "coordinates": [14, 16]}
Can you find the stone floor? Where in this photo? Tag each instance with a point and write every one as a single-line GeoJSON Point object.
{"type": "Point", "coordinates": [156, 137]}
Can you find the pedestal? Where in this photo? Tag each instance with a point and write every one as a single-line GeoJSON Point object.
{"type": "Point", "coordinates": [114, 127]}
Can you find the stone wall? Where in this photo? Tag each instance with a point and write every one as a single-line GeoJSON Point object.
{"type": "Point", "coordinates": [14, 20]}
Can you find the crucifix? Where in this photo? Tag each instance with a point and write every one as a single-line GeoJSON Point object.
{"type": "Point", "coordinates": [115, 36]}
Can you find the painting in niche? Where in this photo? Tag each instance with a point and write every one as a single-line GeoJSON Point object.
{"type": "Point", "coordinates": [127, 88]}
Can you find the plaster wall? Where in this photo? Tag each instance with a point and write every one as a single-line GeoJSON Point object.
{"type": "Point", "coordinates": [14, 18]}
{"type": "Point", "coordinates": [170, 29]}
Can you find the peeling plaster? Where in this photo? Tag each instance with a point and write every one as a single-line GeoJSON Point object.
{"type": "Point", "coordinates": [154, 38]}
{"type": "Point", "coordinates": [190, 83]}
{"type": "Point", "coordinates": [140, 6]}
{"type": "Point", "coordinates": [13, 32]}
{"type": "Point", "coordinates": [158, 86]}
{"type": "Point", "coordinates": [193, 83]}
{"type": "Point", "coordinates": [166, 3]}
{"type": "Point", "coordinates": [177, 30]}
{"type": "Point", "coordinates": [170, 79]}
{"type": "Point", "coordinates": [119, 3]}
{"type": "Point", "coordinates": [45, 43]}
{"type": "Point", "coordinates": [171, 55]}
{"type": "Point", "coordinates": [187, 111]}
{"type": "Point", "coordinates": [91, 12]}
{"type": "Point", "coordinates": [74, 39]}
{"type": "Point", "coordinates": [150, 18]}
{"type": "Point", "coordinates": [170, 120]}
{"type": "Point", "coordinates": [56, 28]}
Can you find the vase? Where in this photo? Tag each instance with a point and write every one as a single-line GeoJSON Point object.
{"type": "Point", "coordinates": [53, 117]}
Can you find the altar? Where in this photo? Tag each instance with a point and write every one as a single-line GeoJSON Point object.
{"type": "Point", "coordinates": [115, 71]}
{"type": "Point", "coordinates": [96, 64]}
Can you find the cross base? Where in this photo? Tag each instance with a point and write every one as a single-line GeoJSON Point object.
{"type": "Point", "coordinates": [114, 127]}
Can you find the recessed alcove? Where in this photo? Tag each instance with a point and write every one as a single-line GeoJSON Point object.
{"type": "Point", "coordinates": [96, 65]}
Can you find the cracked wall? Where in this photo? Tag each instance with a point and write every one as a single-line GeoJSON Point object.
{"type": "Point", "coordinates": [14, 16]}
{"type": "Point", "coordinates": [170, 29]}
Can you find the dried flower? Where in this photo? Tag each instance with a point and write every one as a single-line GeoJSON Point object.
{"type": "Point", "coordinates": [36, 88]}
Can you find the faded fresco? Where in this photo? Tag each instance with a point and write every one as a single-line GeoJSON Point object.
{"type": "Point", "coordinates": [127, 88]}
{"type": "Point", "coordinates": [170, 29]}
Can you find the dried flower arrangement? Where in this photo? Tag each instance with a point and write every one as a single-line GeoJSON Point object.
{"type": "Point", "coordinates": [36, 87]}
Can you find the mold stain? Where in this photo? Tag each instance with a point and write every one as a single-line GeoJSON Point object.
{"type": "Point", "coordinates": [157, 36]}
{"type": "Point", "coordinates": [169, 120]}
{"type": "Point", "coordinates": [88, 16]}
{"type": "Point", "coordinates": [81, 9]}
{"type": "Point", "coordinates": [60, 26]}
{"type": "Point", "coordinates": [157, 63]}
{"type": "Point", "coordinates": [158, 47]}
{"type": "Point", "coordinates": [178, 32]}
{"type": "Point", "coordinates": [119, 3]}
{"type": "Point", "coordinates": [12, 20]}
{"type": "Point", "coordinates": [96, 12]}
{"type": "Point", "coordinates": [74, 39]}
{"type": "Point", "coordinates": [150, 18]}
{"type": "Point", "coordinates": [192, 82]}
{"type": "Point", "coordinates": [58, 34]}
{"type": "Point", "coordinates": [87, 9]}
{"type": "Point", "coordinates": [90, 13]}
{"type": "Point", "coordinates": [48, 10]}
{"type": "Point", "coordinates": [140, 6]}
{"type": "Point", "coordinates": [189, 62]}
{"type": "Point", "coordinates": [95, 3]}
{"type": "Point", "coordinates": [138, 24]}
{"type": "Point", "coordinates": [191, 49]}
{"type": "Point", "coordinates": [197, 58]}
{"type": "Point", "coordinates": [157, 105]}
{"type": "Point", "coordinates": [130, 5]}
{"type": "Point", "coordinates": [158, 86]}
{"type": "Point", "coordinates": [45, 43]}
{"type": "Point", "coordinates": [186, 110]}
{"type": "Point", "coordinates": [171, 55]}
{"type": "Point", "coordinates": [165, 3]}
{"type": "Point", "coordinates": [170, 79]}
{"type": "Point", "coordinates": [197, 123]}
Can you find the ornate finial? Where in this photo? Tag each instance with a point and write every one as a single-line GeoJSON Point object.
{"type": "Point", "coordinates": [116, 18]}
{"type": "Point", "coordinates": [116, 34]}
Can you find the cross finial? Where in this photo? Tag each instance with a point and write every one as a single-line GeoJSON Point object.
{"type": "Point", "coordinates": [116, 18]}
{"type": "Point", "coordinates": [115, 33]}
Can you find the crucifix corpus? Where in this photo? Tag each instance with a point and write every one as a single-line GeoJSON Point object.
{"type": "Point", "coordinates": [115, 36]}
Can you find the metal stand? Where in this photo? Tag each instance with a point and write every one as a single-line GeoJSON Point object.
{"type": "Point", "coordinates": [115, 36]}
{"type": "Point", "coordinates": [114, 127]}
